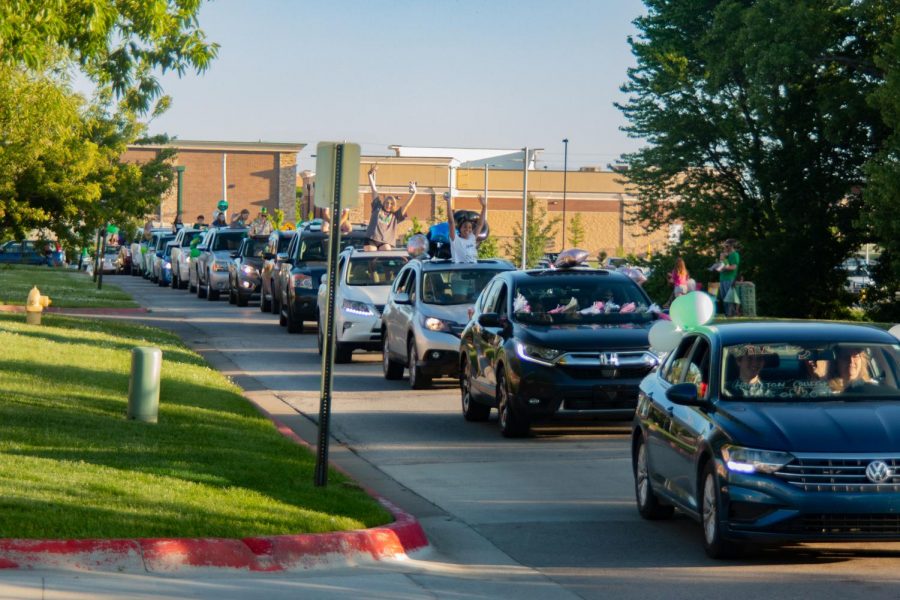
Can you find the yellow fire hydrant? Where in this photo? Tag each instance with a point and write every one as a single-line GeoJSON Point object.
{"type": "Point", "coordinates": [35, 305]}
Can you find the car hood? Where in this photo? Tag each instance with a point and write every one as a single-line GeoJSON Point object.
{"type": "Point", "coordinates": [457, 313]}
{"type": "Point", "coordinates": [586, 337]}
{"type": "Point", "coordinates": [832, 427]}
{"type": "Point", "coordinates": [370, 294]}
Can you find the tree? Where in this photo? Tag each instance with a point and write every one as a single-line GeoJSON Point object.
{"type": "Point", "coordinates": [538, 233]}
{"type": "Point", "coordinates": [118, 44]}
{"type": "Point", "coordinates": [488, 248]}
{"type": "Point", "coordinates": [758, 125]}
{"type": "Point", "coordinates": [576, 231]}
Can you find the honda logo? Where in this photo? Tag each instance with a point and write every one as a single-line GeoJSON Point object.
{"type": "Point", "coordinates": [609, 359]}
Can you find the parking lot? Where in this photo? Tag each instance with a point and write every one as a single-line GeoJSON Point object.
{"type": "Point", "coordinates": [552, 514]}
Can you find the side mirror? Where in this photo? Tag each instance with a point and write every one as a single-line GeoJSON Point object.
{"type": "Point", "coordinates": [401, 298]}
{"type": "Point", "coordinates": [685, 394]}
{"type": "Point", "coordinates": [489, 320]}
{"type": "Point", "coordinates": [324, 279]}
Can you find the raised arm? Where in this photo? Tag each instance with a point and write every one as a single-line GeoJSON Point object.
{"type": "Point", "coordinates": [326, 220]}
{"type": "Point", "coordinates": [483, 219]}
{"type": "Point", "coordinates": [450, 221]}
{"type": "Point", "coordinates": [372, 185]}
{"type": "Point", "coordinates": [413, 190]}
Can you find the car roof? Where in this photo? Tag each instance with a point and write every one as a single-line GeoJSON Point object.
{"type": "Point", "coordinates": [483, 264]}
{"type": "Point", "coordinates": [758, 332]}
{"type": "Point", "coordinates": [357, 253]}
{"type": "Point", "coordinates": [532, 274]}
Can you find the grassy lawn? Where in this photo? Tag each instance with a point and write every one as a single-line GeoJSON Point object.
{"type": "Point", "coordinates": [66, 288]}
{"type": "Point", "coordinates": [72, 465]}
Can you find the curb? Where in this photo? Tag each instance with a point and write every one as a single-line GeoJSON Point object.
{"type": "Point", "coordinates": [17, 308]}
{"type": "Point", "coordinates": [279, 553]}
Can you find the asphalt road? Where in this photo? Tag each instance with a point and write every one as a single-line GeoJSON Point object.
{"type": "Point", "coordinates": [551, 516]}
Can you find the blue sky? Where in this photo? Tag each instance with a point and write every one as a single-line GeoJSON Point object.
{"type": "Point", "coordinates": [467, 73]}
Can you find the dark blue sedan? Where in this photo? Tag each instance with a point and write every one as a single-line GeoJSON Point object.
{"type": "Point", "coordinates": [773, 432]}
{"type": "Point", "coordinates": [25, 253]}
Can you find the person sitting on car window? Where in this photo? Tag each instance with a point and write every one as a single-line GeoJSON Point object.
{"type": "Point", "coordinates": [852, 368]}
{"type": "Point", "coordinates": [750, 361]}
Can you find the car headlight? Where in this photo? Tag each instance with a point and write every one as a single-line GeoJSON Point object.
{"type": "Point", "coordinates": [301, 280]}
{"type": "Point", "coordinates": [537, 354]}
{"type": "Point", "coordinates": [249, 269]}
{"type": "Point", "coordinates": [750, 460]}
{"type": "Point", "coordinates": [435, 324]}
{"type": "Point", "coordinates": [167, 265]}
{"type": "Point", "coordinates": [220, 265]}
{"type": "Point", "coordinates": [357, 308]}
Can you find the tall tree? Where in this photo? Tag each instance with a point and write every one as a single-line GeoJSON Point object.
{"type": "Point", "coordinates": [576, 231]}
{"type": "Point", "coordinates": [758, 126]}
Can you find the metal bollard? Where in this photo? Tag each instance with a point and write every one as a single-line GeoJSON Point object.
{"type": "Point", "coordinates": [143, 388]}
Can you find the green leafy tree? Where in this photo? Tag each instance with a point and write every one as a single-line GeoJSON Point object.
{"type": "Point", "coordinates": [539, 232]}
{"type": "Point", "coordinates": [489, 248]}
{"type": "Point", "coordinates": [415, 227]}
{"type": "Point", "coordinates": [758, 124]}
{"type": "Point", "coordinates": [277, 219]}
{"type": "Point", "coordinates": [576, 231]}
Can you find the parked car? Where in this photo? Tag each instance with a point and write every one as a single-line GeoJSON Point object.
{"type": "Point", "coordinates": [859, 275]}
{"type": "Point", "coordinates": [364, 282]}
{"type": "Point", "coordinates": [211, 266]}
{"type": "Point", "coordinates": [160, 257]}
{"type": "Point", "coordinates": [244, 269]}
{"type": "Point", "coordinates": [301, 272]}
{"type": "Point", "coordinates": [542, 344]}
{"type": "Point", "coordinates": [772, 432]}
{"type": "Point", "coordinates": [148, 251]}
{"type": "Point", "coordinates": [164, 264]}
{"type": "Point", "coordinates": [24, 252]}
{"type": "Point", "coordinates": [276, 252]}
{"type": "Point", "coordinates": [181, 253]}
{"type": "Point", "coordinates": [192, 255]}
{"type": "Point", "coordinates": [426, 312]}
{"type": "Point", "coordinates": [135, 250]}
{"type": "Point", "coordinates": [110, 259]}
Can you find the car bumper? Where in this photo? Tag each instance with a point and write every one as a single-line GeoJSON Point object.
{"type": "Point", "coordinates": [165, 276]}
{"type": "Point", "coordinates": [304, 304]}
{"type": "Point", "coordinates": [248, 286]}
{"type": "Point", "coordinates": [218, 280]}
{"type": "Point", "coordinates": [360, 331]}
{"type": "Point", "coordinates": [438, 353]}
{"type": "Point", "coordinates": [764, 509]}
{"type": "Point", "coordinates": [543, 391]}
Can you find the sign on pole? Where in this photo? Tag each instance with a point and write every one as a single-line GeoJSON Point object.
{"type": "Point", "coordinates": [337, 185]}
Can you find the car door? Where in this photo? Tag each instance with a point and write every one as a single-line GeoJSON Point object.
{"type": "Point", "coordinates": [392, 310]}
{"type": "Point", "coordinates": [662, 457]}
{"type": "Point", "coordinates": [492, 339]}
{"type": "Point", "coordinates": [485, 305]}
{"type": "Point", "coordinates": [407, 312]}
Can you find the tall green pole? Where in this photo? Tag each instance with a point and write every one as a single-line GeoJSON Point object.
{"type": "Point", "coordinates": [180, 170]}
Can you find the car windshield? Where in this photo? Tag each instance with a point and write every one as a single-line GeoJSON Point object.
{"type": "Point", "coordinates": [790, 372]}
{"type": "Point", "coordinates": [458, 286]}
{"type": "Point", "coordinates": [189, 237]}
{"type": "Point", "coordinates": [581, 299]}
{"type": "Point", "coordinates": [164, 240]}
{"type": "Point", "coordinates": [255, 247]}
{"type": "Point", "coordinates": [380, 270]}
{"type": "Point", "coordinates": [168, 250]}
{"type": "Point", "coordinates": [228, 240]}
{"type": "Point", "coordinates": [283, 242]}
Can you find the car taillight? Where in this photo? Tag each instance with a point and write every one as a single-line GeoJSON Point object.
{"type": "Point", "coordinates": [302, 280]}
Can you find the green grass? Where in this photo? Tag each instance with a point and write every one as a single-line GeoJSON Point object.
{"type": "Point", "coordinates": [66, 288]}
{"type": "Point", "coordinates": [72, 465]}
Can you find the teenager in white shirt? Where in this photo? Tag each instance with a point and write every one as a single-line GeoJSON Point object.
{"type": "Point", "coordinates": [463, 247]}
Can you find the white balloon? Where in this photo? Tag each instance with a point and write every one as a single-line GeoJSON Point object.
{"type": "Point", "coordinates": [664, 336]}
{"type": "Point", "coordinates": [895, 331]}
{"type": "Point", "coordinates": [692, 309]}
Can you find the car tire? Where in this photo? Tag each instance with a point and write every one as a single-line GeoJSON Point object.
{"type": "Point", "coordinates": [392, 369]}
{"type": "Point", "coordinates": [276, 304]}
{"type": "Point", "coordinates": [265, 304]}
{"type": "Point", "coordinates": [343, 353]}
{"type": "Point", "coordinates": [201, 289]}
{"type": "Point", "coordinates": [211, 294]}
{"type": "Point", "coordinates": [512, 424]}
{"type": "Point", "coordinates": [231, 296]}
{"type": "Point", "coordinates": [417, 379]}
{"type": "Point", "coordinates": [174, 283]}
{"type": "Point", "coordinates": [241, 299]}
{"type": "Point", "coordinates": [714, 543]}
{"type": "Point", "coordinates": [182, 284]}
{"type": "Point", "coordinates": [648, 504]}
{"type": "Point", "coordinates": [161, 282]}
{"type": "Point", "coordinates": [471, 410]}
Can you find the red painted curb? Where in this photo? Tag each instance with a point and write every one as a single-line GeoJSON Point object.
{"type": "Point", "coordinates": [91, 555]}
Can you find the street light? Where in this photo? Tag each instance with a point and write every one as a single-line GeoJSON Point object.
{"type": "Point", "coordinates": [565, 173]}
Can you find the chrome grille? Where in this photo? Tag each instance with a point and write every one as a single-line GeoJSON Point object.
{"type": "Point", "coordinates": [839, 474]}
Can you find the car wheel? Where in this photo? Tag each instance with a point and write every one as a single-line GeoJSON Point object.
{"type": "Point", "coordinates": [265, 304]}
{"type": "Point", "coordinates": [231, 296]}
{"type": "Point", "coordinates": [715, 545]}
{"type": "Point", "coordinates": [241, 299]}
{"type": "Point", "coordinates": [201, 289]}
{"type": "Point", "coordinates": [161, 282]}
{"type": "Point", "coordinates": [648, 504]}
{"type": "Point", "coordinates": [392, 369]}
{"type": "Point", "coordinates": [512, 424]}
{"type": "Point", "coordinates": [343, 353]}
{"type": "Point", "coordinates": [174, 283]}
{"type": "Point", "coordinates": [211, 294]}
{"type": "Point", "coordinates": [472, 410]}
{"type": "Point", "coordinates": [182, 284]}
{"type": "Point", "coordinates": [417, 379]}
{"type": "Point", "coordinates": [276, 304]}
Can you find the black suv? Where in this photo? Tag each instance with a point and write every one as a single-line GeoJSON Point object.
{"type": "Point", "coordinates": [568, 342]}
{"type": "Point", "coordinates": [301, 272]}
{"type": "Point", "coordinates": [243, 270]}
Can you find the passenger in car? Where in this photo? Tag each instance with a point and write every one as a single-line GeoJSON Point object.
{"type": "Point", "coordinates": [852, 369]}
{"type": "Point", "coordinates": [750, 361]}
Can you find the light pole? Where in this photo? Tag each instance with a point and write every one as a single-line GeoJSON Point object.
{"type": "Point", "coordinates": [524, 206]}
{"type": "Point", "coordinates": [565, 173]}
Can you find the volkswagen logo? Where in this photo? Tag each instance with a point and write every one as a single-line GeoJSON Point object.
{"type": "Point", "coordinates": [878, 472]}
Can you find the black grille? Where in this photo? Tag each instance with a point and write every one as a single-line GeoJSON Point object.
{"type": "Point", "coordinates": [379, 308]}
{"type": "Point", "coordinates": [838, 525]}
{"type": "Point", "coordinates": [606, 372]}
{"type": "Point", "coordinates": [838, 474]}
{"type": "Point", "coordinates": [598, 403]}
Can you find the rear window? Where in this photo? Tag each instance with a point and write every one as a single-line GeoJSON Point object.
{"type": "Point", "coordinates": [457, 286]}
{"type": "Point", "coordinates": [255, 247]}
{"type": "Point", "coordinates": [582, 299]}
{"type": "Point", "coordinates": [381, 270]}
{"type": "Point", "coordinates": [315, 249]}
{"type": "Point", "coordinates": [228, 240]}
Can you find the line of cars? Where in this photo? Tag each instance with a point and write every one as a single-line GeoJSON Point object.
{"type": "Point", "coordinates": [762, 432]}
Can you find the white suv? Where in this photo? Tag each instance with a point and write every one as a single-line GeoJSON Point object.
{"type": "Point", "coordinates": [364, 282]}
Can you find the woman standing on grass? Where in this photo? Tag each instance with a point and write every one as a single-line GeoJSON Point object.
{"type": "Point", "coordinates": [681, 281]}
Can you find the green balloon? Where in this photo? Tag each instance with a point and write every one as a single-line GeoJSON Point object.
{"type": "Point", "coordinates": [112, 229]}
{"type": "Point", "coordinates": [222, 205]}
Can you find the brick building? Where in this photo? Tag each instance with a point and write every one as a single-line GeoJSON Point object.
{"type": "Point", "coordinates": [247, 174]}
{"type": "Point", "coordinates": [602, 198]}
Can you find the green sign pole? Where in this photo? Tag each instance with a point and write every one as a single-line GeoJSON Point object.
{"type": "Point", "coordinates": [180, 170]}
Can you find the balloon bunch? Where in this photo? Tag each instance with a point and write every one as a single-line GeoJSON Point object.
{"type": "Point", "coordinates": [687, 311]}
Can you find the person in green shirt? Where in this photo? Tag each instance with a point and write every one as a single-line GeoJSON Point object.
{"type": "Point", "coordinates": [731, 262]}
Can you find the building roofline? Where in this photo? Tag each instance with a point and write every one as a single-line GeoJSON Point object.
{"type": "Point", "coordinates": [223, 146]}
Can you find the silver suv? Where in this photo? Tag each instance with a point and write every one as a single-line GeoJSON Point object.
{"type": "Point", "coordinates": [211, 267]}
{"type": "Point", "coordinates": [428, 307]}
